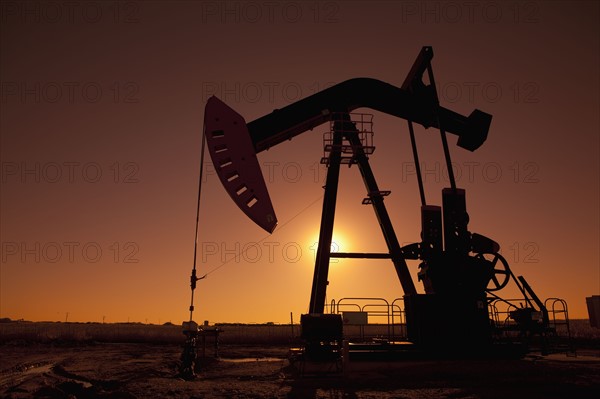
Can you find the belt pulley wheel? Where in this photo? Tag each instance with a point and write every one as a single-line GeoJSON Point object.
{"type": "Point", "coordinates": [500, 272]}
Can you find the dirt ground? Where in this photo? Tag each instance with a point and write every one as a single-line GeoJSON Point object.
{"type": "Point", "coordinates": [150, 371]}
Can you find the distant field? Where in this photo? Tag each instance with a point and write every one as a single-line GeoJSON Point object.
{"type": "Point", "coordinates": [134, 332]}
{"type": "Point", "coordinates": [584, 334]}
{"type": "Point", "coordinates": [26, 332]}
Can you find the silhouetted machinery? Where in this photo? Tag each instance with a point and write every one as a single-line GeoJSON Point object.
{"type": "Point", "coordinates": [458, 269]}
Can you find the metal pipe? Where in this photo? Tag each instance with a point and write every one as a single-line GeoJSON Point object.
{"type": "Point", "coordinates": [413, 143]}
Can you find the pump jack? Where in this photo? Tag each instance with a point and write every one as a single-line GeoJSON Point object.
{"type": "Point", "coordinates": [458, 268]}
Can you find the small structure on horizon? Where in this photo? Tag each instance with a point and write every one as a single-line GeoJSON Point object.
{"type": "Point", "coordinates": [593, 305]}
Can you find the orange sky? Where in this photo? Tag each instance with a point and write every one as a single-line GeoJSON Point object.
{"type": "Point", "coordinates": [101, 118]}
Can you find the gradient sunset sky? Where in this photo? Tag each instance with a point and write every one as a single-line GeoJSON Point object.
{"type": "Point", "coordinates": [102, 108]}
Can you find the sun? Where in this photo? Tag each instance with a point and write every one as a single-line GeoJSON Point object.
{"type": "Point", "coordinates": [339, 242]}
